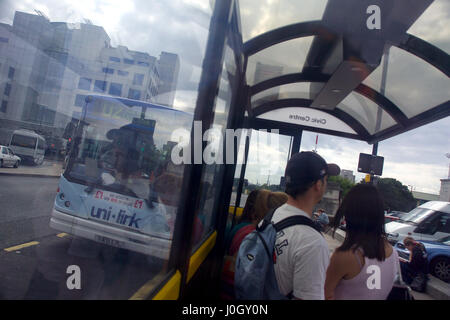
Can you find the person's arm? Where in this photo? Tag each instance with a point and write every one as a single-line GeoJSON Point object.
{"type": "Point", "coordinates": [335, 272]}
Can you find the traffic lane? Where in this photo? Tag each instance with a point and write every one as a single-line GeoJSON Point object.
{"type": "Point", "coordinates": [25, 208]}
{"type": "Point", "coordinates": [24, 196]}
{"type": "Point", "coordinates": [40, 272]}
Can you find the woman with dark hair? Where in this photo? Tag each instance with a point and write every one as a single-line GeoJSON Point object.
{"type": "Point", "coordinates": [364, 267]}
{"type": "Point", "coordinates": [245, 218]}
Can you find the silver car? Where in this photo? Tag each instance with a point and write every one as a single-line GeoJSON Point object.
{"type": "Point", "coordinates": [8, 158]}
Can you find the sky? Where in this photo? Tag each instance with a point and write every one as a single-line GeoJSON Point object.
{"type": "Point", "coordinates": [416, 158]}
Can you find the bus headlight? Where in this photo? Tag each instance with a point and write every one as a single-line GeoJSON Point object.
{"type": "Point", "coordinates": [62, 196]}
{"type": "Point", "coordinates": [67, 204]}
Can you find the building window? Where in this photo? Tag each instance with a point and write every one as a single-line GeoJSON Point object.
{"type": "Point", "coordinates": [115, 89]}
{"type": "Point", "coordinates": [108, 70]}
{"type": "Point", "coordinates": [122, 73]}
{"type": "Point", "coordinates": [142, 63]}
{"type": "Point", "coordinates": [11, 73]}
{"type": "Point", "coordinates": [114, 59]}
{"type": "Point", "coordinates": [7, 89]}
{"type": "Point", "coordinates": [80, 100]}
{"type": "Point", "coordinates": [4, 40]}
{"type": "Point", "coordinates": [4, 106]}
{"type": "Point", "coordinates": [84, 84]}
{"type": "Point", "coordinates": [134, 94]}
{"type": "Point", "coordinates": [138, 79]}
{"type": "Point", "coordinates": [128, 61]}
{"type": "Point", "coordinates": [100, 86]}
{"type": "Point", "coordinates": [41, 114]}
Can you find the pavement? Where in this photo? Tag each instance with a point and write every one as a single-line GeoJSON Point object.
{"type": "Point", "coordinates": [436, 288]}
{"type": "Point", "coordinates": [48, 169]}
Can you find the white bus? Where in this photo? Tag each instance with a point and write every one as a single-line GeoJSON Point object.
{"type": "Point", "coordinates": [28, 145]}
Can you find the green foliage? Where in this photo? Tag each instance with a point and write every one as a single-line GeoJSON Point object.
{"type": "Point", "coordinates": [345, 184]}
{"type": "Point", "coordinates": [396, 195]}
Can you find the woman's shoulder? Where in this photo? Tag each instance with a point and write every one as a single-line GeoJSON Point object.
{"type": "Point", "coordinates": [343, 256]}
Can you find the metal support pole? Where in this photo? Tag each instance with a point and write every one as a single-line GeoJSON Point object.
{"type": "Point", "coordinates": [296, 143]}
{"type": "Point", "coordinates": [241, 180]}
{"type": "Point", "coordinates": [379, 112]}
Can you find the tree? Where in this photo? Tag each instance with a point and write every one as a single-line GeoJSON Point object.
{"type": "Point", "coordinates": [345, 184]}
{"type": "Point", "coordinates": [396, 195]}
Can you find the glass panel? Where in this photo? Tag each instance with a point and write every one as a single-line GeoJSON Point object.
{"type": "Point", "coordinates": [258, 17]}
{"type": "Point", "coordinates": [432, 25]}
{"type": "Point", "coordinates": [267, 159]}
{"type": "Point", "coordinates": [366, 112]}
{"type": "Point", "coordinates": [403, 72]}
{"type": "Point", "coordinates": [111, 213]}
{"type": "Point", "coordinates": [284, 58]}
{"type": "Point", "coordinates": [268, 155]}
{"type": "Point", "coordinates": [213, 154]}
{"type": "Point", "coordinates": [288, 91]}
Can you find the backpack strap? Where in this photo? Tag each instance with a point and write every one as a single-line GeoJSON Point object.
{"type": "Point", "coordinates": [267, 220]}
{"type": "Point", "coordinates": [294, 220]}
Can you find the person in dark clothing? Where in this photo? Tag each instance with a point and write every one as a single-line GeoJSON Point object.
{"type": "Point", "coordinates": [418, 262]}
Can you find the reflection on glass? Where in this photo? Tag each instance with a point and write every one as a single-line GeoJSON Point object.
{"type": "Point", "coordinates": [213, 170]}
{"type": "Point", "coordinates": [259, 17]}
{"type": "Point", "coordinates": [432, 25]}
{"type": "Point", "coordinates": [288, 91]}
{"type": "Point", "coordinates": [116, 203]}
{"type": "Point", "coordinates": [367, 112]}
{"type": "Point", "coordinates": [402, 76]}
{"type": "Point", "coordinates": [284, 58]}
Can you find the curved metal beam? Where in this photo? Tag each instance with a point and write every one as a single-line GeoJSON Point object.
{"type": "Point", "coordinates": [384, 103]}
{"type": "Point", "coordinates": [371, 94]}
{"type": "Point", "coordinates": [436, 113]}
{"type": "Point", "coordinates": [305, 103]}
{"type": "Point", "coordinates": [427, 52]}
{"type": "Point", "coordinates": [286, 33]}
{"type": "Point", "coordinates": [288, 79]}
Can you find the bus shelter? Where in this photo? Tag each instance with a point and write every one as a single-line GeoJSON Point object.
{"type": "Point", "coordinates": [364, 70]}
{"type": "Point", "coordinates": [368, 79]}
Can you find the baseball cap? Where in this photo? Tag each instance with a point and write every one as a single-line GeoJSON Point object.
{"type": "Point", "coordinates": [306, 167]}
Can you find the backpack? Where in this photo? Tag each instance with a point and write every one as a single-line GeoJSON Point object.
{"type": "Point", "coordinates": [254, 271]}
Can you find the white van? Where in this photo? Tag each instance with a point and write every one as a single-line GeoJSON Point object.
{"type": "Point", "coordinates": [28, 145]}
{"type": "Point", "coordinates": [429, 221]}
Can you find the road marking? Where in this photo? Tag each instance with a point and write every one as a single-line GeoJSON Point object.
{"type": "Point", "coordinates": [21, 246]}
{"type": "Point", "coordinates": [61, 235]}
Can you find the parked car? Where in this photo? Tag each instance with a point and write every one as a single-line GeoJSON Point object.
{"type": "Point", "coordinates": [28, 145]}
{"type": "Point", "coordinates": [8, 158]}
{"type": "Point", "coordinates": [429, 221]}
{"type": "Point", "coordinates": [438, 256]}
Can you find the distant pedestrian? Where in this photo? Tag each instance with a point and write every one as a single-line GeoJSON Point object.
{"type": "Point", "coordinates": [321, 218]}
{"type": "Point", "coordinates": [416, 268]}
{"type": "Point", "coordinates": [365, 265]}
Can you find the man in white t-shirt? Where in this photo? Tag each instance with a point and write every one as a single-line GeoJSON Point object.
{"type": "Point", "coordinates": [302, 254]}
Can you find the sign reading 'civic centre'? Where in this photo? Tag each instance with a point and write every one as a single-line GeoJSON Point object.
{"type": "Point", "coordinates": [307, 117]}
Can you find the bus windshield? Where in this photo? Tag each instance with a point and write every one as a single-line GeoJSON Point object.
{"type": "Point", "coordinates": [23, 141]}
{"type": "Point", "coordinates": [121, 145]}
